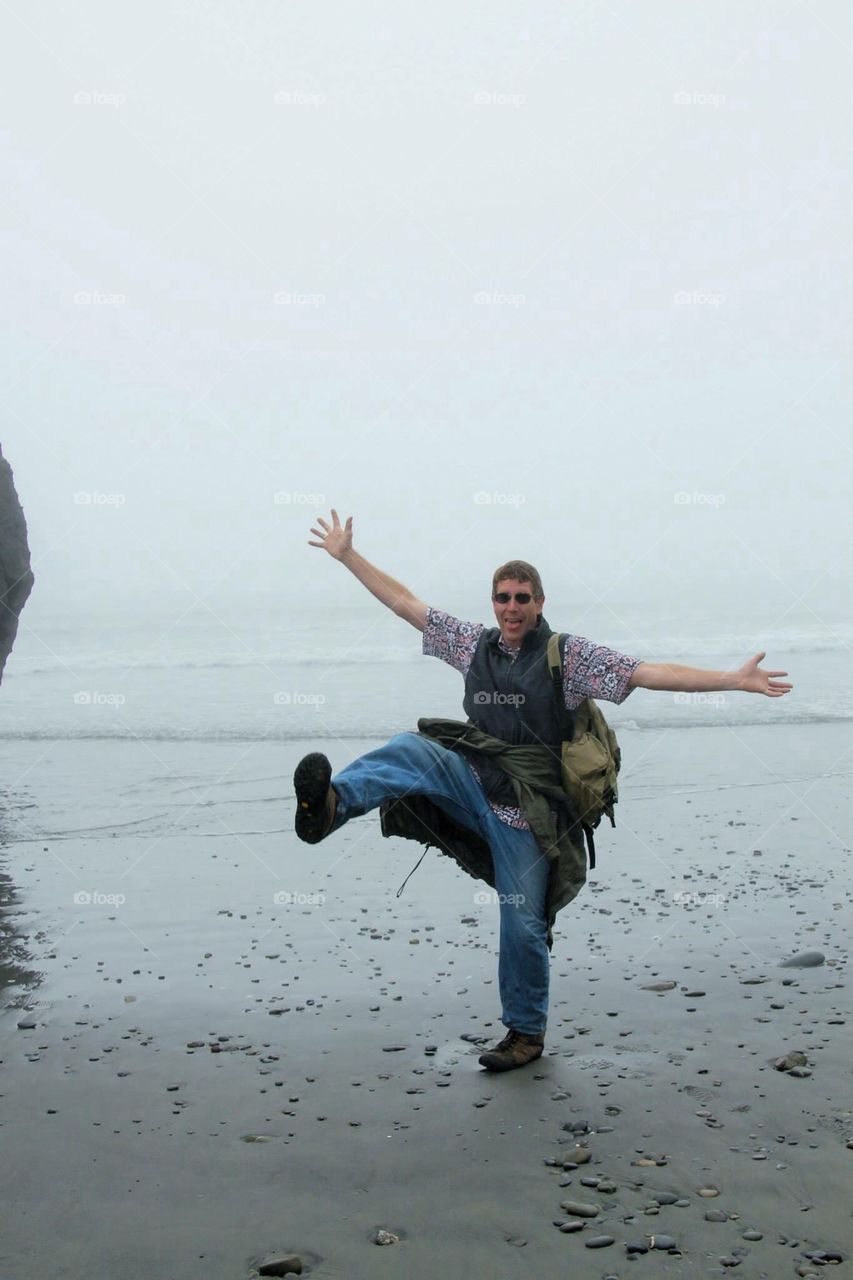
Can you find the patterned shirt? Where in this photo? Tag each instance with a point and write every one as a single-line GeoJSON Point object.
{"type": "Point", "coordinates": [589, 671]}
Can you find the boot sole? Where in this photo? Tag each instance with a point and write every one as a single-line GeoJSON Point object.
{"type": "Point", "coordinates": [311, 782]}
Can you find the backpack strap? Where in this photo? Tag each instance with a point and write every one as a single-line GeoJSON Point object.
{"type": "Point", "coordinates": [555, 665]}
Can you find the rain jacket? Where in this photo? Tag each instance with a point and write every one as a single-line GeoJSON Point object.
{"type": "Point", "coordinates": [535, 775]}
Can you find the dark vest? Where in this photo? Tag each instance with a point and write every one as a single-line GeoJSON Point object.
{"type": "Point", "coordinates": [512, 700]}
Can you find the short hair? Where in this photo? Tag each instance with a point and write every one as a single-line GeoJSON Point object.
{"type": "Point", "coordinates": [522, 572]}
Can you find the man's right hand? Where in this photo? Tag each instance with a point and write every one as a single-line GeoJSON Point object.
{"type": "Point", "coordinates": [337, 540]}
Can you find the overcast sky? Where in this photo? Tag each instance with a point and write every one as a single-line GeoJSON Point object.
{"type": "Point", "coordinates": [569, 283]}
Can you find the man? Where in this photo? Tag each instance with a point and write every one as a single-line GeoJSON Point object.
{"type": "Point", "coordinates": [460, 785]}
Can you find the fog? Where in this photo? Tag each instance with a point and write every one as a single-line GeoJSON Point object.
{"type": "Point", "coordinates": [570, 285]}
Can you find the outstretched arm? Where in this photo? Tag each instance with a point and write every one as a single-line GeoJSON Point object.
{"type": "Point", "coordinates": [750, 678]}
{"type": "Point", "coordinates": [337, 540]}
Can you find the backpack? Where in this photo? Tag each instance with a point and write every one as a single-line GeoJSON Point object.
{"type": "Point", "coordinates": [589, 756]}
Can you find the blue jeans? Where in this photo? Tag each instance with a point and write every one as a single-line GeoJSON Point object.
{"type": "Point", "coordinates": [413, 764]}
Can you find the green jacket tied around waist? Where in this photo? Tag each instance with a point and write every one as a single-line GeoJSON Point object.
{"type": "Point", "coordinates": [535, 775]}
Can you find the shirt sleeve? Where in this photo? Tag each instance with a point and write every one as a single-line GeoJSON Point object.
{"type": "Point", "coordinates": [451, 639]}
{"type": "Point", "coordinates": [594, 671]}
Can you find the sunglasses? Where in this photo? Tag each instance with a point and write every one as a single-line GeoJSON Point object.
{"type": "Point", "coordinates": [504, 597]}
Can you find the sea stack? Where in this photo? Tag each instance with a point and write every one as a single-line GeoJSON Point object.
{"type": "Point", "coordinates": [16, 576]}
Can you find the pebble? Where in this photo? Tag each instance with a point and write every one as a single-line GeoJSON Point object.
{"type": "Point", "coordinates": [599, 1242]}
{"type": "Point", "coordinates": [800, 1072]}
{"type": "Point", "coordinates": [753, 1235]}
{"type": "Point", "coordinates": [658, 986]}
{"type": "Point", "coordinates": [580, 1209]}
{"type": "Point", "coordinates": [664, 1197]}
{"type": "Point", "coordinates": [568, 1227]}
{"type": "Point", "coordinates": [662, 1242]}
{"type": "Point", "coordinates": [636, 1246]}
{"type": "Point", "coordinates": [580, 1155]}
{"type": "Point", "coordinates": [793, 1059]}
{"type": "Point", "coordinates": [804, 960]}
{"type": "Point", "coordinates": [286, 1266]}
{"type": "Point", "coordinates": [708, 1192]}
{"type": "Point", "coordinates": [716, 1215]}
{"type": "Point", "coordinates": [730, 1261]}
{"type": "Point", "coordinates": [26, 1024]}
{"type": "Point", "coordinates": [385, 1237]}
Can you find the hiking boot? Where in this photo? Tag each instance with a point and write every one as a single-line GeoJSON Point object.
{"type": "Point", "coordinates": [515, 1050]}
{"type": "Point", "coordinates": [316, 801]}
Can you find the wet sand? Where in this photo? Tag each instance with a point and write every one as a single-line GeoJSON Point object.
{"type": "Point", "coordinates": [215, 1075]}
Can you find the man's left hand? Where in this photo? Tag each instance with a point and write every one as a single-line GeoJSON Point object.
{"type": "Point", "coordinates": [753, 679]}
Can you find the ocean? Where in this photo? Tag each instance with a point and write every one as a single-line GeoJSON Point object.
{"type": "Point", "coordinates": [345, 673]}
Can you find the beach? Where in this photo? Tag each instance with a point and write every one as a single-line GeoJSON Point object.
{"type": "Point", "coordinates": [244, 1047]}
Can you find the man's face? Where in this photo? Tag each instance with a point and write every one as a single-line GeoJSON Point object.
{"type": "Point", "coordinates": [514, 618]}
